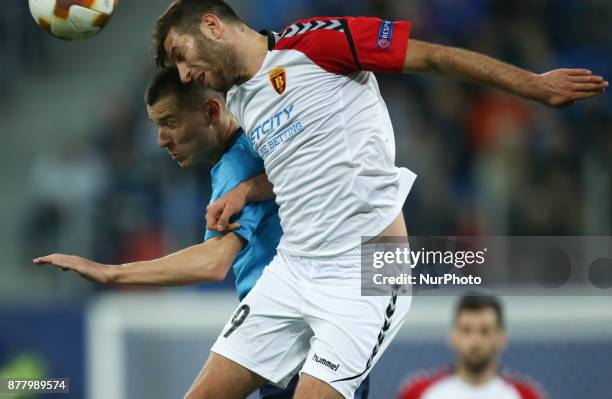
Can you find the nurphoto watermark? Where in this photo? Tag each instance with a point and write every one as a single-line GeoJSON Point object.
{"type": "Point", "coordinates": [546, 265]}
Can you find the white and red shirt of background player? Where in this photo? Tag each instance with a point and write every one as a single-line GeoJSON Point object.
{"type": "Point", "coordinates": [447, 385]}
{"type": "Point", "coordinates": [315, 114]}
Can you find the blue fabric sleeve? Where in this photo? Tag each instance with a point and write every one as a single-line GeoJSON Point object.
{"type": "Point", "coordinates": [249, 219]}
{"type": "Point", "coordinates": [238, 164]}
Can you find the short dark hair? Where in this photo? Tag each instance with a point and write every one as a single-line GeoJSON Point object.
{"type": "Point", "coordinates": [475, 302]}
{"type": "Point", "coordinates": [185, 16]}
{"type": "Point", "coordinates": [167, 82]}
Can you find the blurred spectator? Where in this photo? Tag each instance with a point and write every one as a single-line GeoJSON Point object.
{"type": "Point", "coordinates": [64, 188]}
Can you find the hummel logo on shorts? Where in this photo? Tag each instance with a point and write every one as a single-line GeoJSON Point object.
{"type": "Point", "coordinates": [326, 362]}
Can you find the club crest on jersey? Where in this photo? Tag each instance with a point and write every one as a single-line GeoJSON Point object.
{"type": "Point", "coordinates": [385, 35]}
{"type": "Point", "coordinates": [278, 78]}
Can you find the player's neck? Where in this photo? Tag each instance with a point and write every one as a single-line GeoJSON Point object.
{"type": "Point", "coordinates": [252, 48]}
{"type": "Point", "coordinates": [475, 379]}
{"type": "Point", "coordinates": [229, 136]}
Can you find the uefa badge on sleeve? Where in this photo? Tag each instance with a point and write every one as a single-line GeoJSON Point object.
{"type": "Point", "coordinates": [278, 78]}
{"type": "Point", "coordinates": [385, 35]}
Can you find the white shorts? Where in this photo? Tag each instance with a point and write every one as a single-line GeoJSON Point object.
{"type": "Point", "coordinates": [307, 315]}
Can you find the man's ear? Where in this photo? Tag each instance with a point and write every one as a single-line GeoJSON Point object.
{"type": "Point", "coordinates": [213, 109]}
{"type": "Point", "coordinates": [211, 27]}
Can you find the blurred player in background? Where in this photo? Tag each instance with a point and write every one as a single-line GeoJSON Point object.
{"type": "Point", "coordinates": [478, 337]}
{"type": "Point", "coordinates": [194, 126]}
{"type": "Point", "coordinates": [311, 107]}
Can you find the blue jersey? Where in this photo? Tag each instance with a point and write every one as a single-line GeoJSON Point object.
{"type": "Point", "coordinates": [259, 222]}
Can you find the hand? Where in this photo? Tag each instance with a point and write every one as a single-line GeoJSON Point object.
{"type": "Point", "coordinates": [218, 213]}
{"type": "Point", "coordinates": [88, 269]}
{"type": "Point", "coordinates": [563, 87]}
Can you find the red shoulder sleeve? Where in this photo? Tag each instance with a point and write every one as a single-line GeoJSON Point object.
{"type": "Point", "coordinates": [347, 44]}
{"type": "Point", "coordinates": [380, 44]}
{"type": "Point", "coordinates": [416, 387]}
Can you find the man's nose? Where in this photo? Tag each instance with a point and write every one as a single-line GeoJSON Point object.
{"type": "Point", "coordinates": [162, 139]}
{"type": "Point", "coordinates": [184, 73]}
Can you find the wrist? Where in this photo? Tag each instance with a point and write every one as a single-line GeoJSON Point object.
{"type": "Point", "coordinates": [112, 274]}
{"type": "Point", "coordinates": [245, 190]}
{"type": "Point", "coordinates": [536, 88]}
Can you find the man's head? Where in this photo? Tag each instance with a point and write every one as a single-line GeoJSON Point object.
{"type": "Point", "coordinates": [197, 36]}
{"type": "Point", "coordinates": [192, 121]}
{"type": "Point", "coordinates": [478, 334]}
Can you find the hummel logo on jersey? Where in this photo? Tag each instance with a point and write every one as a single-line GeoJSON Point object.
{"type": "Point", "coordinates": [299, 28]}
{"type": "Point", "coordinates": [278, 78]}
{"type": "Point", "coordinates": [325, 362]}
{"type": "Point", "coordinates": [385, 35]}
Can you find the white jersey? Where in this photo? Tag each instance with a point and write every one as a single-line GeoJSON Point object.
{"type": "Point", "coordinates": [450, 386]}
{"type": "Point", "coordinates": [455, 388]}
{"type": "Point", "coordinates": [315, 115]}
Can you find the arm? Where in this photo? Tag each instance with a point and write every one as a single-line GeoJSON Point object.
{"type": "Point", "coordinates": [256, 189]}
{"type": "Point", "coordinates": [556, 88]}
{"type": "Point", "coordinates": [395, 51]}
{"type": "Point", "coordinates": [206, 262]}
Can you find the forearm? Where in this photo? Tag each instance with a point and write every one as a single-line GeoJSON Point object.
{"type": "Point", "coordinates": [257, 189]}
{"type": "Point", "coordinates": [206, 262]}
{"type": "Point", "coordinates": [471, 66]}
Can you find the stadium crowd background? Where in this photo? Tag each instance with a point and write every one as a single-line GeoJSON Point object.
{"type": "Point", "coordinates": [487, 163]}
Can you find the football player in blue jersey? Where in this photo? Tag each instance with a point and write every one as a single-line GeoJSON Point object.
{"type": "Point", "coordinates": [194, 126]}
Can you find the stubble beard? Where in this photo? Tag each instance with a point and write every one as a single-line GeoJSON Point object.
{"type": "Point", "coordinates": [223, 57]}
{"type": "Point", "coordinates": [477, 366]}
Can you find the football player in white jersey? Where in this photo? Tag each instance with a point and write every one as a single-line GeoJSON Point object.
{"type": "Point", "coordinates": [310, 104]}
{"type": "Point", "coordinates": [478, 337]}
